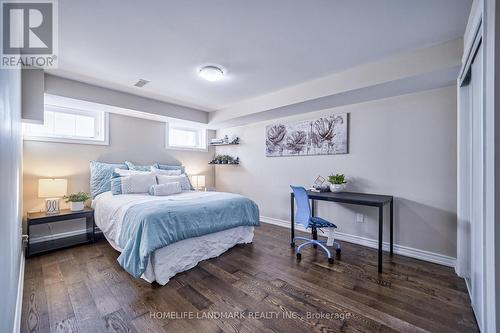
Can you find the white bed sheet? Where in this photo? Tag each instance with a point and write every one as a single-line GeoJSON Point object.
{"type": "Point", "coordinates": [110, 209]}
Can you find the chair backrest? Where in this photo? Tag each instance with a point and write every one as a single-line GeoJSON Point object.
{"type": "Point", "coordinates": [303, 213]}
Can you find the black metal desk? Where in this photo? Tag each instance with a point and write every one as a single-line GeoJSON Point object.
{"type": "Point", "coordinates": [363, 199]}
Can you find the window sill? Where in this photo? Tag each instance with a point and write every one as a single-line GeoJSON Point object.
{"type": "Point", "coordinates": [201, 150]}
{"type": "Point", "coordinates": [71, 141]}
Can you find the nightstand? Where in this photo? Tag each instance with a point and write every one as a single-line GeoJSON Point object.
{"type": "Point", "coordinates": [59, 243]}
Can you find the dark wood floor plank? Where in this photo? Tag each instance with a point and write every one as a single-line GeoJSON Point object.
{"type": "Point", "coordinates": [86, 312]}
{"type": "Point", "coordinates": [59, 306]}
{"type": "Point", "coordinates": [35, 310]}
{"type": "Point", "coordinates": [199, 301]}
{"type": "Point", "coordinates": [83, 289]}
{"type": "Point", "coordinates": [69, 325]}
{"type": "Point", "coordinates": [118, 322]}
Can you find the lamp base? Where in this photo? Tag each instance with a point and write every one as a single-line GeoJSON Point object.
{"type": "Point", "coordinates": [52, 206]}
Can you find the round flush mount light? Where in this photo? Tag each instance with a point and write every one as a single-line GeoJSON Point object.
{"type": "Point", "coordinates": [211, 73]}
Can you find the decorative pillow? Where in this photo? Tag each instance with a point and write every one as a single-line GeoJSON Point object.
{"type": "Point", "coordinates": [137, 183]}
{"type": "Point", "coordinates": [132, 166]}
{"type": "Point", "coordinates": [116, 185]}
{"type": "Point", "coordinates": [120, 173]}
{"type": "Point", "coordinates": [165, 189]}
{"type": "Point", "coordinates": [182, 179]}
{"type": "Point", "coordinates": [165, 172]}
{"type": "Point", "coordinates": [100, 176]}
{"type": "Point", "coordinates": [170, 167]}
{"type": "Point", "coordinates": [174, 167]}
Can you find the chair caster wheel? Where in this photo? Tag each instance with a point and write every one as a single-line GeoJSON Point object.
{"type": "Point", "coordinates": [330, 260]}
{"type": "Point", "coordinates": [292, 245]}
{"type": "Point", "coordinates": [338, 251]}
{"type": "Point", "coordinates": [299, 256]}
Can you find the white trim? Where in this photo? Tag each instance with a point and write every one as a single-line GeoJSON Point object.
{"type": "Point", "coordinates": [406, 251]}
{"type": "Point", "coordinates": [74, 106]}
{"type": "Point", "coordinates": [202, 130]}
{"type": "Point", "coordinates": [19, 300]}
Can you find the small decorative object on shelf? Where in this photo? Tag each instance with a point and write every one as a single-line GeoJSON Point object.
{"type": "Point", "coordinates": [319, 185]}
{"type": "Point", "coordinates": [225, 141]}
{"type": "Point", "coordinates": [337, 182]}
{"type": "Point", "coordinates": [225, 159]}
{"type": "Point", "coordinates": [76, 201]}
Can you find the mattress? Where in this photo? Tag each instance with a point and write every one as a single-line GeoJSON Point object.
{"type": "Point", "coordinates": [165, 262]}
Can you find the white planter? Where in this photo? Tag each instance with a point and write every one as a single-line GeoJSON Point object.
{"type": "Point", "coordinates": [337, 187]}
{"type": "Point", "coordinates": [76, 206]}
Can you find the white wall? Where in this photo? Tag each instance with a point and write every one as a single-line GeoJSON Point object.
{"type": "Point", "coordinates": [404, 146]}
{"type": "Point", "coordinates": [138, 140]}
{"type": "Point", "coordinates": [10, 194]}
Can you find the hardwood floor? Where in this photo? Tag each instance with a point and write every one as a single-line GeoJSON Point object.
{"type": "Point", "coordinates": [257, 287]}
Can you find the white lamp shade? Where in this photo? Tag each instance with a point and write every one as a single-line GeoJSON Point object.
{"type": "Point", "coordinates": [52, 188]}
{"type": "Point", "coordinates": [198, 181]}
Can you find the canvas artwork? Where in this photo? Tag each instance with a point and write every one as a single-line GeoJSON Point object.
{"type": "Point", "coordinates": [322, 136]}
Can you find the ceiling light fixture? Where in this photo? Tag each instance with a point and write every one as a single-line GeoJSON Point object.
{"type": "Point", "coordinates": [211, 73]}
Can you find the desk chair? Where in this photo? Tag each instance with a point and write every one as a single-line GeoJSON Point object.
{"type": "Point", "coordinates": [305, 218]}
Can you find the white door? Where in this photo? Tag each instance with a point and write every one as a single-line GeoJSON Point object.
{"type": "Point", "coordinates": [477, 186]}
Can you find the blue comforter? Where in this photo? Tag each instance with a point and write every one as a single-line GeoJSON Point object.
{"type": "Point", "coordinates": [152, 225]}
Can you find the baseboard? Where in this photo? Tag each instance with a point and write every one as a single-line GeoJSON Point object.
{"type": "Point", "coordinates": [433, 257]}
{"type": "Point", "coordinates": [19, 299]}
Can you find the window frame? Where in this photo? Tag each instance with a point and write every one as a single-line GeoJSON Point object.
{"type": "Point", "coordinates": [64, 105]}
{"type": "Point", "coordinates": [202, 136]}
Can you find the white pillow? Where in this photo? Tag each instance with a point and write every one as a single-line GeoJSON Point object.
{"type": "Point", "coordinates": [126, 172]}
{"type": "Point", "coordinates": [137, 182]}
{"type": "Point", "coordinates": [165, 189]}
{"type": "Point", "coordinates": [165, 172]}
{"type": "Point", "coordinates": [182, 179]}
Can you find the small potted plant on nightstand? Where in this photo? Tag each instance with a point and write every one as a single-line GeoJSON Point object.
{"type": "Point", "coordinates": [76, 201]}
{"type": "Point", "coordinates": [337, 182]}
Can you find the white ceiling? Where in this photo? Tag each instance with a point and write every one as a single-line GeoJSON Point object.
{"type": "Point", "coordinates": [264, 45]}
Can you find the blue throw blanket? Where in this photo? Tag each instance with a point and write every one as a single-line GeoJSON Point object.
{"type": "Point", "coordinates": [152, 225]}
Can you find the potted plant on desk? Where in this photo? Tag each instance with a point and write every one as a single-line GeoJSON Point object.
{"type": "Point", "coordinates": [337, 182]}
{"type": "Point", "coordinates": [76, 201]}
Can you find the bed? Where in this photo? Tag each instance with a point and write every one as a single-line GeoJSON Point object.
{"type": "Point", "coordinates": [160, 236]}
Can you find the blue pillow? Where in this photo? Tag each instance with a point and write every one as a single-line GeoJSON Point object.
{"type": "Point", "coordinates": [116, 185]}
{"type": "Point", "coordinates": [132, 166]}
{"type": "Point", "coordinates": [170, 167]}
{"type": "Point", "coordinates": [100, 176]}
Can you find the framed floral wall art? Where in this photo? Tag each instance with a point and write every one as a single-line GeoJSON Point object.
{"type": "Point", "coordinates": [321, 136]}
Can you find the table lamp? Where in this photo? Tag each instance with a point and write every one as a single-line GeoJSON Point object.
{"type": "Point", "coordinates": [52, 190]}
{"type": "Point", "coordinates": [198, 182]}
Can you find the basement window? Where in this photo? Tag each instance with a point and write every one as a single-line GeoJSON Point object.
{"type": "Point", "coordinates": [185, 136]}
{"type": "Point", "coordinates": [68, 122]}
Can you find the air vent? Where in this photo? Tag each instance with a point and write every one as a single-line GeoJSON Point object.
{"type": "Point", "coordinates": [141, 83]}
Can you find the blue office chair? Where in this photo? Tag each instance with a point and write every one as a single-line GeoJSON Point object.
{"type": "Point", "coordinates": [305, 218]}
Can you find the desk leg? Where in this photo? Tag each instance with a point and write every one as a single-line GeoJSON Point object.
{"type": "Point", "coordinates": [380, 232]}
{"type": "Point", "coordinates": [292, 220]}
{"type": "Point", "coordinates": [392, 226]}
{"type": "Point", "coordinates": [314, 231]}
